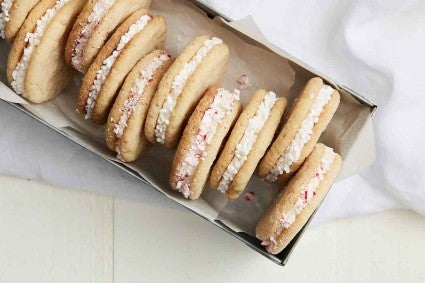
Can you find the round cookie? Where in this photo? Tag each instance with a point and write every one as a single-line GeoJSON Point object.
{"type": "Point", "coordinates": [36, 68]}
{"type": "Point", "coordinates": [294, 205]}
{"type": "Point", "coordinates": [12, 15]}
{"type": "Point", "coordinates": [248, 141]}
{"type": "Point", "coordinates": [98, 20]}
{"type": "Point", "coordinates": [308, 118]}
{"type": "Point", "coordinates": [202, 138]}
{"type": "Point", "coordinates": [124, 129]}
{"type": "Point", "coordinates": [138, 35]}
{"type": "Point", "coordinates": [201, 64]}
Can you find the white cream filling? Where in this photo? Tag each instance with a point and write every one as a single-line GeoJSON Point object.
{"type": "Point", "coordinates": [33, 39]}
{"type": "Point", "coordinates": [255, 125]}
{"type": "Point", "coordinates": [99, 10]}
{"type": "Point", "coordinates": [293, 152]}
{"type": "Point", "coordinates": [136, 93]}
{"type": "Point", "coordinates": [220, 107]}
{"type": "Point", "coordinates": [177, 87]}
{"type": "Point", "coordinates": [4, 15]}
{"type": "Point", "coordinates": [306, 194]}
{"type": "Point", "coordinates": [107, 64]}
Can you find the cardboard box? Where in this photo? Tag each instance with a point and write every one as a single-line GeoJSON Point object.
{"type": "Point", "coordinates": [345, 133]}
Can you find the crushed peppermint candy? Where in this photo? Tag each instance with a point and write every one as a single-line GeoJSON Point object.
{"type": "Point", "coordinates": [255, 125]}
{"type": "Point", "coordinates": [5, 7]}
{"type": "Point", "coordinates": [32, 40]}
{"type": "Point", "coordinates": [98, 12]}
{"type": "Point", "coordinates": [136, 94]}
{"type": "Point", "coordinates": [178, 85]}
{"type": "Point", "coordinates": [244, 82]}
{"type": "Point", "coordinates": [293, 152]}
{"type": "Point", "coordinates": [220, 107]}
{"type": "Point", "coordinates": [306, 194]}
{"type": "Point", "coordinates": [249, 196]}
{"type": "Point", "coordinates": [107, 64]}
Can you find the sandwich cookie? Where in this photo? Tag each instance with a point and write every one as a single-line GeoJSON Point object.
{"type": "Point", "coordinates": [249, 140]}
{"type": "Point", "coordinates": [202, 138]}
{"type": "Point", "coordinates": [93, 27]}
{"type": "Point", "coordinates": [124, 129]}
{"type": "Point", "coordinates": [12, 15]}
{"type": "Point", "coordinates": [201, 64]}
{"type": "Point", "coordinates": [138, 35]}
{"type": "Point", "coordinates": [36, 68]}
{"type": "Point", "coordinates": [309, 117]}
{"type": "Point", "coordinates": [293, 206]}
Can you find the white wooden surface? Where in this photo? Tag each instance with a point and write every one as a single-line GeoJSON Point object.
{"type": "Point", "coordinates": [55, 235]}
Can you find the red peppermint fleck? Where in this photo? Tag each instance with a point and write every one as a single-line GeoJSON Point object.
{"type": "Point", "coordinates": [204, 137]}
{"type": "Point", "coordinates": [317, 174]}
{"type": "Point", "coordinates": [182, 177]}
{"type": "Point", "coordinates": [169, 56]}
{"type": "Point", "coordinates": [314, 193]}
{"type": "Point", "coordinates": [305, 195]}
{"type": "Point", "coordinates": [150, 80]}
{"type": "Point", "coordinates": [249, 196]}
{"type": "Point", "coordinates": [243, 81]}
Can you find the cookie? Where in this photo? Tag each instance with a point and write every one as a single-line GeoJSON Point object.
{"type": "Point", "coordinates": [12, 15]}
{"type": "Point", "coordinates": [201, 64]}
{"type": "Point", "coordinates": [309, 117]}
{"type": "Point", "coordinates": [293, 206]}
{"type": "Point", "coordinates": [36, 68]}
{"type": "Point", "coordinates": [202, 138]}
{"type": "Point", "coordinates": [124, 129]}
{"type": "Point", "coordinates": [249, 140]}
{"type": "Point", "coordinates": [138, 35]}
{"type": "Point", "coordinates": [98, 20]}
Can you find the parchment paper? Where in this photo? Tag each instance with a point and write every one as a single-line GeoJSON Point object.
{"type": "Point", "coordinates": [265, 69]}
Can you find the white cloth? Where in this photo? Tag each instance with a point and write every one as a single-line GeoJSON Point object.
{"type": "Point", "coordinates": [373, 47]}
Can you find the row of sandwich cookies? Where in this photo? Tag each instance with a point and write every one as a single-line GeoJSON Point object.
{"type": "Point", "coordinates": [309, 182]}
{"type": "Point", "coordinates": [161, 91]}
{"type": "Point", "coordinates": [34, 26]}
{"type": "Point", "coordinates": [93, 88]}
{"type": "Point", "coordinates": [201, 64]}
{"type": "Point", "coordinates": [162, 119]}
{"type": "Point", "coordinates": [102, 15]}
{"type": "Point", "coordinates": [160, 88]}
{"type": "Point", "coordinates": [138, 35]}
{"type": "Point", "coordinates": [253, 131]}
{"type": "Point", "coordinates": [40, 31]}
{"type": "Point", "coordinates": [157, 80]}
{"type": "Point", "coordinates": [250, 143]}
